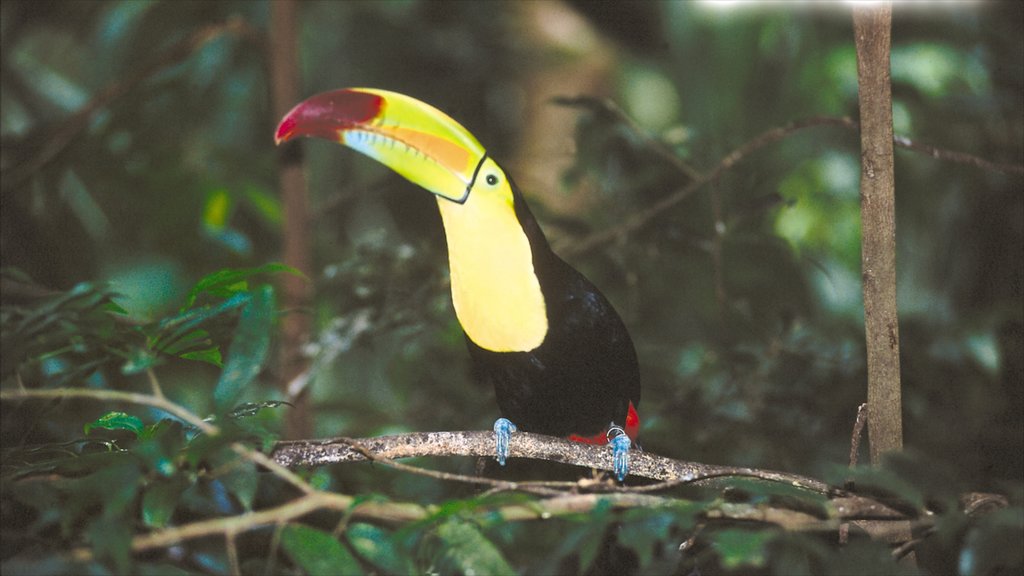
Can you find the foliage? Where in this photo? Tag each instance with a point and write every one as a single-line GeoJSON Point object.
{"type": "Point", "coordinates": [743, 299]}
{"type": "Point", "coordinates": [93, 498]}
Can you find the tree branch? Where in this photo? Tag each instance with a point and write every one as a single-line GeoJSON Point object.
{"type": "Point", "coordinates": [642, 217]}
{"type": "Point", "coordinates": [303, 453]}
{"type": "Point", "coordinates": [115, 396]}
{"type": "Point", "coordinates": [957, 157]}
{"type": "Point", "coordinates": [841, 507]}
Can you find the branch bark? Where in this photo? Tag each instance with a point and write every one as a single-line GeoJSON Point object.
{"type": "Point", "coordinates": [878, 229]}
{"type": "Point", "coordinates": [890, 523]}
{"type": "Point", "coordinates": [304, 453]}
{"type": "Point", "coordinates": [872, 31]}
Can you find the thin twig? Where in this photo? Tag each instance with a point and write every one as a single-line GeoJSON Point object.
{"type": "Point", "coordinates": [154, 383]}
{"type": "Point", "coordinates": [644, 216]}
{"type": "Point", "coordinates": [275, 468]}
{"type": "Point", "coordinates": [162, 403]}
{"type": "Point", "coordinates": [641, 218]}
{"type": "Point", "coordinates": [116, 396]}
{"type": "Point", "coordinates": [858, 431]}
{"type": "Point", "coordinates": [909, 546]}
{"type": "Point", "coordinates": [609, 107]}
{"type": "Point", "coordinates": [957, 157]}
{"type": "Point", "coordinates": [275, 543]}
{"type": "Point", "coordinates": [229, 542]}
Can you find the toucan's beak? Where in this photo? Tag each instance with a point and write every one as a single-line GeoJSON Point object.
{"type": "Point", "coordinates": [410, 137]}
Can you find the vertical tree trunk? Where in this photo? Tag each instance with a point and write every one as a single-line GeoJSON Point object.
{"type": "Point", "coordinates": [297, 292]}
{"type": "Point", "coordinates": [871, 25]}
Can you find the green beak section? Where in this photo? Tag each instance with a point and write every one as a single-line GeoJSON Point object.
{"type": "Point", "coordinates": [413, 138]}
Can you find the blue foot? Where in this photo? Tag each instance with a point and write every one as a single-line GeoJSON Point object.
{"type": "Point", "coordinates": [503, 429]}
{"type": "Point", "coordinates": [620, 444]}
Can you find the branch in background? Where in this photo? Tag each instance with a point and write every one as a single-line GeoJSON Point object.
{"type": "Point", "coordinates": [297, 292]}
{"type": "Point", "coordinates": [608, 107]}
{"type": "Point", "coordinates": [697, 180]}
{"type": "Point", "coordinates": [158, 402]}
{"type": "Point", "coordinates": [69, 129]}
{"type": "Point", "coordinates": [643, 217]}
{"type": "Point", "coordinates": [957, 157]}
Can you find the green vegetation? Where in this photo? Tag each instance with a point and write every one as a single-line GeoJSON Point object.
{"type": "Point", "coordinates": [140, 320]}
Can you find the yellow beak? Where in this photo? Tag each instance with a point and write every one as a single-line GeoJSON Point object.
{"type": "Point", "coordinates": [413, 138]}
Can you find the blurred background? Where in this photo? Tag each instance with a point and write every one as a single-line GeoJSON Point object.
{"type": "Point", "coordinates": [743, 300]}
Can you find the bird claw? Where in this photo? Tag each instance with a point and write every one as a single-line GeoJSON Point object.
{"type": "Point", "coordinates": [503, 429]}
{"type": "Point", "coordinates": [620, 444]}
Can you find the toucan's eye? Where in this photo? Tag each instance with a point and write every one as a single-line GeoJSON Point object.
{"type": "Point", "coordinates": [492, 179]}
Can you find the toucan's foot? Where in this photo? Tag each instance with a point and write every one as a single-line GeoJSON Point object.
{"type": "Point", "coordinates": [503, 429]}
{"type": "Point", "coordinates": [620, 443]}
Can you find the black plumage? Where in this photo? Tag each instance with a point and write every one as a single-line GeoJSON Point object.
{"type": "Point", "coordinates": [584, 374]}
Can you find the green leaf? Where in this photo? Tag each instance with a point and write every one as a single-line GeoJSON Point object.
{"type": "Point", "coordinates": [139, 360]}
{"type": "Point", "coordinates": [267, 204]}
{"type": "Point", "coordinates": [43, 497]}
{"type": "Point", "coordinates": [111, 539]}
{"type": "Point", "coordinates": [111, 490]}
{"type": "Point", "coordinates": [160, 499]}
{"type": "Point", "coordinates": [249, 348]}
{"type": "Point", "coordinates": [993, 545]}
{"type": "Point", "coordinates": [187, 341]}
{"type": "Point", "coordinates": [181, 326]}
{"type": "Point", "coordinates": [741, 548]}
{"type": "Point", "coordinates": [585, 536]}
{"type": "Point", "coordinates": [317, 552]}
{"type": "Point", "coordinates": [242, 482]}
{"type": "Point", "coordinates": [204, 447]}
{"type": "Point", "coordinates": [209, 355]}
{"type": "Point", "coordinates": [217, 209]}
{"type": "Point", "coordinates": [114, 308]}
{"type": "Point", "coordinates": [117, 421]}
{"type": "Point", "coordinates": [230, 281]}
{"type": "Point", "coordinates": [468, 551]}
{"type": "Point", "coordinates": [160, 446]}
{"type": "Point", "coordinates": [641, 533]}
{"type": "Point", "coordinates": [377, 546]}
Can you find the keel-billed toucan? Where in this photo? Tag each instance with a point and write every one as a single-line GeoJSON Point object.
{"type": "Point", "coordinates": [557, 353]}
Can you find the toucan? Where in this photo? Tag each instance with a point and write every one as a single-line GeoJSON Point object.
{"type": "Point", "coordinates": [555, 350]}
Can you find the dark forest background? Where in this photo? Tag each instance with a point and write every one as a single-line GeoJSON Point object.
{"type": "Point", "coordinates": [138, 158]}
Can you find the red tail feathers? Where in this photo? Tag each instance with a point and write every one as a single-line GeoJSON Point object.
{"type": "Point", "coordinates": [632, 428]}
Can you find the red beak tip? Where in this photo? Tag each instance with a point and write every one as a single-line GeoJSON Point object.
{"type": "Point", "coordinates": [285, 130]}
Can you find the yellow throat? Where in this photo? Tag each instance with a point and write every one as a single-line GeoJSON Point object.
{"type": "Point", "coordinates": [495, 290]}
